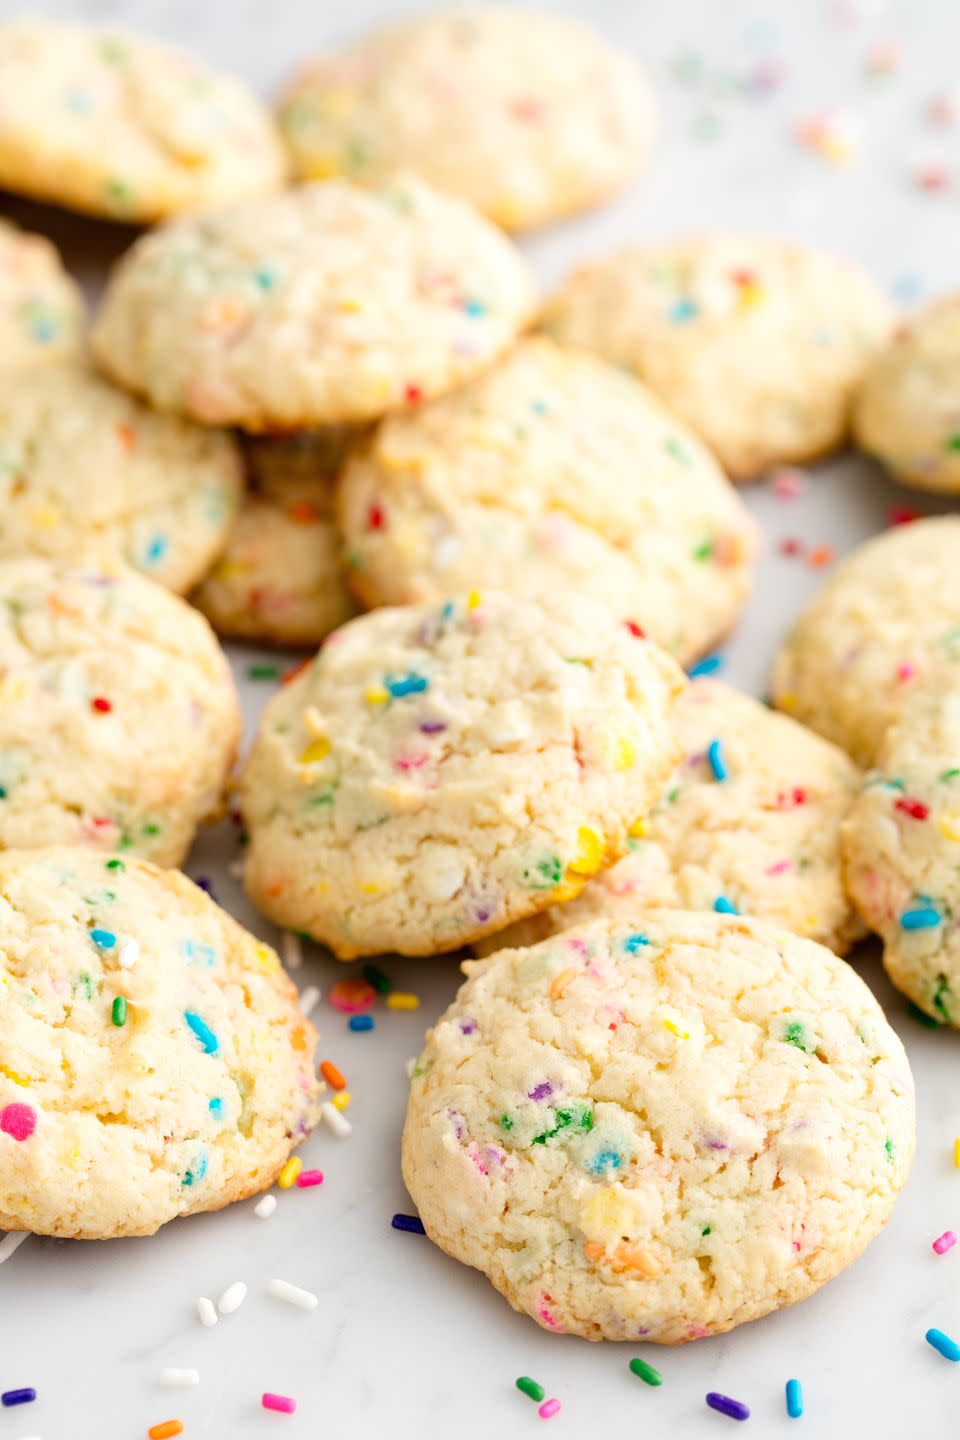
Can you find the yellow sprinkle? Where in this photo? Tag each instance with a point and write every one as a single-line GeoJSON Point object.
{"type": "Point", "coordinates": [370, 887]}
{"type": "Point", "coordinates": [950, 826]}
{"type": "Point", "coordinates": [288, 1175]}
{"type": "Point", "coordinates": [267, 959]}
{"type": "Point", "coordinates": [751, 294]}
{"type": "Point", "coordinates": [638, 829]}
{"type": "Point", "coordinates": [376, 695]}
{"type": "Point", "coordinates": [560, 983]}
{"type": "Point", "coordinates": [956, 1153]}
{"type": "Point", "coordinates": [341, 1100]}
{"type": "Point", "coordinates": [625, 754]}
{"type": "Point", "coordinates": [318, 749]}
{"type": "Point", "coordinates": [675, 1029]}
{"type": "Point", "coordinates": [400, 1000]}
{"type": "Point", "coordinates": [590, 852]}
{"type": "Point", "coordinates": [786, 701]}
{"type": "Point", "coordinates": [45, 517]}
{"type": "Point", "coordinates": [568, 889]}
{"type": "Point", "coordinates": [473, 600]}
{"type": "Point", "coordinates": [14, 1075]}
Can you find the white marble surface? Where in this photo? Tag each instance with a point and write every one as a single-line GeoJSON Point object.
{"type": "Point", "coordinates": [405, 1342]}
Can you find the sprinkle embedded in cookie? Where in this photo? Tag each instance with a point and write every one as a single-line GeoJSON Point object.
{"type": "Point", "coordinates": [41, 309]}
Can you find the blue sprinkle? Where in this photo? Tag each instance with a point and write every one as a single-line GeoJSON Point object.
{"type": "Point", "coordinates": [709, 665]}
{"type": "Point", "coordinates": [948, 1348]}
{"type": "Point", "coordinates": [156, 549]}
{"type": "Point", "coordinates": [794, 1399]}
{"type": "Point", "coordinates": [360, 1022]}
{"type": "Point", "coordinates": [923, 918]}
{"type": "Point", "coordinates": [103, 939]}
{"type": "Point", "coordinates": [412, 684]}
{"type": "Point", "coordinates": [194, 1176]}
{"type": "Point", "coordinates": [23, 1396]}
{"type": "Point", "coordinates": [199, 954]}
{"type": "Point", "coordinates": [215, 1106]}
{"type": "Point", "coordinates": [682, 310]}
{"type": "Point", "coordinates": [411, 1223]}
{"type": "Point", "coordinates": [723, 906]}
{"type": "Point", "coordinates": [475, 308]}
{"type": "Point", "coordinates": [447, 612]}
{"type": "Point", "coordinates": [716, 761]}
{"type": "Point", "coordinates": [633, 943]}
{"type": "Point", "coordinates": [203, 1032]}
{"type": "Point", "coordinates": [605, 1160]}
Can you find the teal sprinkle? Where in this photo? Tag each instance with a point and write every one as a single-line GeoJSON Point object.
{"type": "Point", "coordinates": [924, 917]}
{"type": "Point", "coordinates": [402, 685]}
{"type": "Point", "coordinates": [215, 1106]}
{"type": "Point", "coordinates": [633, 943]}
{"type": "Point", "coordinates": [681, 311]}
{"type": "Point", "coordinates": [446, 614]}
{"type": "Point", "coordinates": [156, 549]}
{"type": "Point", "coordinates": [716, 761]}
{"type": "Point", "coordinates": [709, 665]}
{"type": "Point", "coordinates": [723, 906]}
{"type": "Point", "coordinates": [605, 1160]}
{"type": "Point", "coordinates": [475, 309]}
{"type": "Point", "coordinates": [266, 277]}
{"type": "Point", "coordinates": [198, 953]}
{"type": "Point", "coordinates": [203, 1032]}
{"type": "Point", "coordinates": [3, 792]}
{"type": "Point", "coordinates": [103, 939]}
{"type": "Point", "coordinates": [194, 1176]}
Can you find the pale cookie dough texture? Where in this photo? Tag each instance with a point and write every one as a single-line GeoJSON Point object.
{"type": "Point", "coordinates": [41, 309]}
{"type": "Point", "coordinates": [908, 412]}
{"type": "Point", "coordinates": [749, 821]}
{"type": "Point", "coordinates": [552, 474]}
{"type": "Point", "coordinates": [280, 579]}
{"type": "Point", "coordinates": [888, 619]}
{"type": "Point", "coordinates": [529, 116]}
{"type": "Point", "coordinates": [86, 469]}
{"type": "Point", "coordinates": [903, 850]}
{"type": "Point", "coordinates": [325, 305]}
{"type": "Point", "coordinates": [442, 770]}
{"type": "Point", "coordinates": [124, 127]}
{"type": "Point", "coordinates": [661, 1130]}
{"type": "Point", "coordinates": [758, 345]}
{"type": "Point", "coordinates": [153, 1062]}
{"type": "Point", "coordinates": [118, 716]}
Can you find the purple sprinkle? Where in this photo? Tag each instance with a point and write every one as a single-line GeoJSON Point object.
{"type": "Point", "coordinates": [203, 882]}
{"type": "Point", "coordinates": [468, 1026]}
{"type": "Point", "coordinates": [734, 1408]}
{"type": "Point", "coordinates": [716, 1145]}
{"type": "Point", "coordinates": [541, 1091]}
{"type": "Point", "coordinates": [411, 1223]}
{"type": "Point", "coordinates": [456, 1120]}
{"type": "Point", "coordinates": [432, 727]}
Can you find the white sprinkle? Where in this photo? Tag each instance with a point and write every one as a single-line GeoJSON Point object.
{"type": "Point", "coordinates": [235, 868]}
{"type": "Point", "coordinates": [283, 1290]}
{"type": "Point", "coordinates": [292, 950]}
{"type": "Point", "coordinates": [12, 1242]}
{"type": "Point", "coordinates": [409, 1066]}
{"type": "Point", "coordinates": [206, 1312]}
{"type": "Point", "coordinates": [129, 952]}
{"type": "Point", "coordinates": [264, 1208]}
{"type": "Point", "coordinates": [309, 999]}
{"type": "Point", "coordinates": [335, 1121]}
{"type": "Point", "coordinates": [232, 1298]}
{"type": "Point", "coordinates": [179, 1379]}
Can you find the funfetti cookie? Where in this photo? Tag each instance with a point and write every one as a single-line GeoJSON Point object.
{"type": "Point", "coordinates": [155, 1062]}
{"type": "Point", "coordinates": [757, 344]}
{"type": "Point", "coordinates": [325, 305]}
{"type": "Point", "coordinates": [118, 715]}
{"type": "Point", "coordinates": [441, 770]}
{"type": "Point", "coordinates": [659, 1130]}
{"type": "Point", "coordinates": [280, 578]}
{"type": "Point", "coordinates": [908, 411]}
{"type": "Point", "coordinates": [86, 469]}
{"type": "Point", "coordinates": [125, 127]}
{"type": "Point", "coordinates": [530, 116]}
{"type": "Point", "coordinates": [41, 309]}
{"type": "Point", "coordinates": [553, 473]}
{"type": "Point", "coordinates": [888, 618]}
{"type": "Point", "coordinates": [748, 823]}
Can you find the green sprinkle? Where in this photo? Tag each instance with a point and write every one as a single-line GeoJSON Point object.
{"type": "Point", "coordinates": [374, 976]}
{"type": "Point", "coordinates": [953, 442]}
{"type": "Point", "coordinates": [922, 1017]}
{"type": "Point", "coordinates": [85, 984]}
{"type": "Point", "coordinates": [151, 828]}
{"type": "Point", "coordinates": [263, 672]}
{"type": "Point", "coordinates": [949, 774]}
{"type": "Point", "coordinates": [703, 551]}
{"type": "Point", "coordinates": [119, 1012]}
{"type": "Point", "coordinates": [645, 1372]}
{"type": "Point", "coordinates": [116, 865]}
{"type": "Point", "coordinates": [530, 1387]}
{"type": "Point", "coordinates": [544, 874]}
{"type": "Point", "coordinates": [505, 1122]}
{"type": "Point", "coordinates": [565, 1120]}
{"type": "Point", "coordinates": [677, 450]}
{"type": "Point", "coordinates": [707, 1230]}
{"type": "Point", "coordinates": [796, 1033]}
{"type": "Point", "coordinates": [890, 1149]}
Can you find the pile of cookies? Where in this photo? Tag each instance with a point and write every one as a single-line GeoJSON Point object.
{"type": "Point", "coordinates": [324, 383]}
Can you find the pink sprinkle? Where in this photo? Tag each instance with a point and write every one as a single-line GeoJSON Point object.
{"type": "Point", "coordinates": [944, 1242]}
{"type": "Point", "coordinates": [18, 1121]}
{"type": "Point", "coordinates": [284, 1403]}
{"type": "Point", "coordinates": [308, 1178]}
{"type": "Point", "coordinates": [780, 868]}
{"type": "Point", "coordinates": [548, 1409]}
{"type": "Point", "coordinates": [788, 484]}
{"type": "Point", "coordinates": [411, 762]}
{"type": "Point", "coordinates": [906, 670]}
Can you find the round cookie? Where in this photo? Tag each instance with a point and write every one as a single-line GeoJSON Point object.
{"type": "Point", "coordinates": [118, 716]}
{"type": "Point", "coordinates": [529, 116]}
{"type": "Point", "coordinates": [280, 579]}
{"type": "Point", "coordinates": [154, 1061]}
{"type": "Point", "coordinates": [439, 771]}
{"type": "Point", "coordinates": [86, 468]}
{"type": "Point", "coordinates": [125, 127]}
{"type": "Point", "coordinates": [661, 1130]}
{"type": "Point", "coordinates": [902, 843]}
{"type": "Point", "coordinates": [41, 309]}
{"type": "Point", "coordinates": [749, 821]}
{"type": "Point", "coordinates": [757, 344]}
{"type": "Point", "coordinates": [888, 617]}
{"type": "Point", "coordinates": [908, 411]}
{"type": "Point", "coordinates": [324, 305]}
{"type": "Point", "coordinates": [552, 473]}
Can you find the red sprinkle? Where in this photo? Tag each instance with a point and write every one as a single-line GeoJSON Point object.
{"type": "Point", "coordinates": [903, 515]}
{"type": "Point", "coordinates": [101, 705]}
{"type": "Point", "coordinates": [914, 808]}
{"type": "Point", "coordinates": [790, 799]}
{"type": "Point", "coordinates": [376, 520]}
{"type": "Point", "coordinates": [412, 394]}
{"type": "Point", "coordinates": [352, 996]}
{"type": "Point", "coordinates": [791, 546]}
{"type": "Point", "coordinates": [635, 629]}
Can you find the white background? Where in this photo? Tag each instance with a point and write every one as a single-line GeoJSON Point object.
{"type": "Point", "coordinates": [405, 1342]}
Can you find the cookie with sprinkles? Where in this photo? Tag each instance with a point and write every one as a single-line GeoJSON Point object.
{"type": "Point", "coordinates": [280, 578]}
{"type": "Point", "coordinates": [86, 468]}
{"type": "Point", "coordinates": [902, 843]}
{"type": "Point", "coordinates": [749, 823]}
{"type": "Point", "coordinates": [441, 770]}
{"type": "Point", "coordinates": [530, 116]}
{"type": "Point", "coordinates": [118, 716]}
{"type": "Point", "coordinates": [125, 127]}
{"type": "Point", "coordinates": [552, 473]}
{"type": "Point", "coordinates": [41, 308]}
{"type": "Point", "coordinates": [908, 411]}
{"type": "Point", "coordinates": [154, 1060]}
{"type": "Point", "coordinates": [757, 344]}
{"type": "Point", "coordinates": [887, 619]}
{"type": "Point", "coordinates": [328, 304]}
{"type": "Point", "coordinates": [659, 1131]}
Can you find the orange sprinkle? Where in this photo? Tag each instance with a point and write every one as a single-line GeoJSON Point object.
{"type": "Point", "coordinates": [127, 436]}
{"type": "Point", "coordinates": [276, 887]}
{"type": "Point", "coordinates": [303, 512]}
{"type": "Point", "coordinates": [164, 1431]}
{"type": "Point", "coordinates": [593, 1250]}
{"type": "Point", "coordinates": [559, 984]}
{"type": "Point", "coordinates": [821, 556]}
{"type": "Point", "coordinates": [332, 1075]}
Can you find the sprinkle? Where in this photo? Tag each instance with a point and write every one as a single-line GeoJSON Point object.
{"type": "Point", "coordinates": [413, 1226]}
{"type": "Point", "coordinates": [794, 1399]}
{"type": "Point", "coordinates": [293, 1295]}
{"type": "Point", "coordinates": [635, 630]}
{"type": "Point", "coordinates": [723, 906]}
{"type": "Point", "coordinates": [308, 1179]}
{"type": "Point", "coordinates": [101, 705]}
{"type": "Point", "coordinates": [265, 1207]}
{"type": "Point", "coordinates": [309, 999]}
{"type": "Point", "coordinates": [716, 761]}
{"type": "Point", "coordinates": [956, 1161]}
{"type": "Point", "coordinates": [18, 1121]}
{"type": "Point", "coordinates": [179, 1379]}
{"type": "Point", "coordinates": [360, 1022]}
{"type": "Point", "coordinates": [284, 1403]}
{"type": "Point", "coordinates": [375, 977]}
{"type": "Point", "coordinates": [288, 1175]}
{"type": "Point", "coordinates": [944, 1242]}
{"type": "Point", "coordinates": [334, 1121]}
{"type": "Point", "coordinates": [821, 556]}
{"type": "Point", "coordinates": [914, 808]}
{"type": "Point", "coordinates": [203, 1032]}
{"type": "Point", "coordinates": [118, 1012]}
{"type": "Point", "coordinates": [165, 1430]}
{"type": "Point", "coordinates": [402, 685]}
{"type": "Point", "coordinates": [646, 1372]}
{"type": "Point", "coordinates": [317, 750]}
{"type": "Point", "coordinates": [634, 943]}
{"type": "Point", "coordinates": [398, 1000]}
{"type": "Point", "coordinates": [351, 996]}
{"type": "Point", "coordinates": [948, 1348]}
{"type": "Point", "coordinates": [709, 665]}
{"type": "Point", "coordinates": [206, 1312]}
{"type": "Point", "coordinates": [292, 950]}
{"type": "Point", "coordinates": [548, 1409]}
{"type": "Point", "coordinates": [232, 1298]}
{"type": "Point", "coordinates": [129, 953]}
{"type": "Point", "coordinates": [923, 918]}
{"type": "Point", "coordinates": [263, 672]}
{"type": "Point", "coordinates": [103, 939]}
{"type": "Point", "coordinates": [24, 1396]}
{"type": "Point", "coordinates": [526, 1386]}
{"type": "Point", "coordinates": [332, 1075]}
{"type": "Point", "coordinates": [11, 1243]}
{"type": "Point", "coordinates": [734, 1408]}
{"type": "Point", "coordinates": [341, 1100]}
